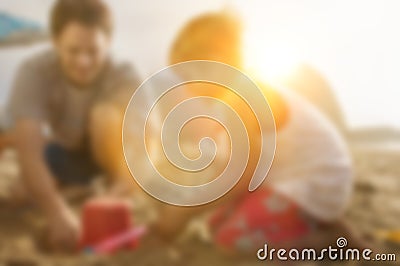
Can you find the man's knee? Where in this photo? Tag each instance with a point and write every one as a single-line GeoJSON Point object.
{"type": "Point", "coordinates": [105, 131]}
{"type": "Point", "coordinates": [104, 117]}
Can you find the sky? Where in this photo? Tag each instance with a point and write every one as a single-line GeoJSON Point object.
{"type": "Point", "coordinates": [353, 43]}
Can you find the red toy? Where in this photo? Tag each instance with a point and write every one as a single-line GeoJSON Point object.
{"type": "Point", "coordinates": [104, 219]}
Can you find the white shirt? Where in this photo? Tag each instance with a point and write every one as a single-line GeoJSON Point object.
{"type": "Point", "coordinates": [312, 165]}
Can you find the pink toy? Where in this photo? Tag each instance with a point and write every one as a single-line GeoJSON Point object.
{"type": "Point", "coordinates": [116, 242]}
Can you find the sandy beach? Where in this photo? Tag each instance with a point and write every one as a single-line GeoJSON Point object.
{"type": "Point", "coordinates": [373, 211]}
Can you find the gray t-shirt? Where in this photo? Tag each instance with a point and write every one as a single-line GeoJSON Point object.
{"type": "Point", "coordinates": [42, 92]}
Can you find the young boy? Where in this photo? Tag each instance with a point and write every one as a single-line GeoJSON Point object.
{"type": "Point", "coordinates": [80, 94]}
{"type": "Point", "coordinates": [310, 180]}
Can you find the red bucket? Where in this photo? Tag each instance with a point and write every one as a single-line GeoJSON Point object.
{"type": "Point", "coordinates": [103, 219]}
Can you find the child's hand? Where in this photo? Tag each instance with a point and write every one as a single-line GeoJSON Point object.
{"type": "Point", "coordinates": [172, 221]}
{"type": "Point", "coordinates": [64, 231]}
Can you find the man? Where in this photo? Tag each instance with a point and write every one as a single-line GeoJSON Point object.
{"type": "Point", "coordinates": [80, 94]}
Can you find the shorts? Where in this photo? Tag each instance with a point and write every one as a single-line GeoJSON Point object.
{"type": "Point", "coordinates": [263, 216]}
{"type": "Point", "coordinates": [71, 166]}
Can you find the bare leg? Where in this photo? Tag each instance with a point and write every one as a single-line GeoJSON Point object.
{"type": "Point", "coordinates": [105, 130]}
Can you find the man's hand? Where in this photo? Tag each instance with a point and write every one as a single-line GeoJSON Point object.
{"type": "Point", "coordinates": [64, 231]}
{"type": "Point", "coordinates": [30, 144]}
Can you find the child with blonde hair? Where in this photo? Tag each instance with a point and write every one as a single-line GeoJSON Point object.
{"type": "Point", "coordinates": [310, 181]}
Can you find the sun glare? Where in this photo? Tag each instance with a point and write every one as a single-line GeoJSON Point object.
{"type": "Point", "coordinates": [271, 61]}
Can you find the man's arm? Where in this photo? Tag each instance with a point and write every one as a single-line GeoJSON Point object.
{"type": "Point", "coordinates": [30, 144]}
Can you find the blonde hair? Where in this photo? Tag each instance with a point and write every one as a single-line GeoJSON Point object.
{"type": "Point", "coordinates": [213, 36]}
